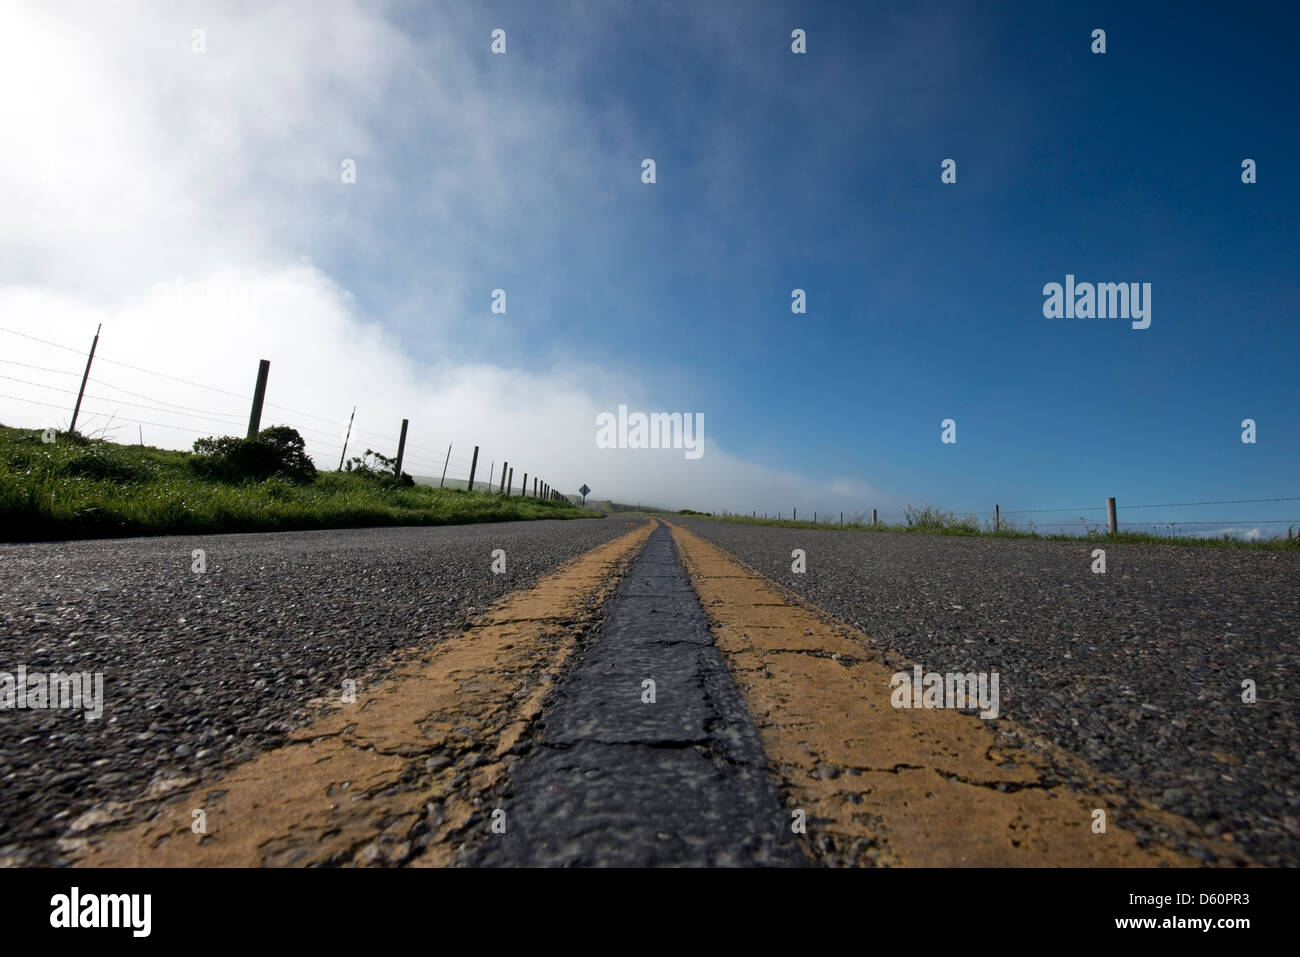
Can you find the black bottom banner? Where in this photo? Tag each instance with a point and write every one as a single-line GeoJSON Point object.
{"type": "Point", "coordinates": [361, 907]}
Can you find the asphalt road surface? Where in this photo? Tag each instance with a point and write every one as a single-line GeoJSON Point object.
{"type": "Point", "coordinates": [201, 671]}
{"type": "Point", "coordinates": [614, 778]}
{"type": "Point", "coordinates": [1138, 670]}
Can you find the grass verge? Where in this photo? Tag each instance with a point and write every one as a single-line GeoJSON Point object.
{"type": "Point", "coordinates": [86, 488]}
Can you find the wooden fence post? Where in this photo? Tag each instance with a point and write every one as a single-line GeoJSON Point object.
{"type": "Point", "coordinates": [401, 449]}
{"type": "Point", "coordinates": [444, 466]}
{"type": "Point", "coordinates": [259, 396]}
{"type": "Point", "coordinates": [997, 518]}
{"type": "Point", "coordinates": [348, 436]}
{"type": "Point", "coordinates": [86, 375]}
{"type": "Point", "coordinates": [1110, 516]}
{"type": "Point", "coordinates": [510, 484]}
{"type": "Point", "coordinates": [473, 466]}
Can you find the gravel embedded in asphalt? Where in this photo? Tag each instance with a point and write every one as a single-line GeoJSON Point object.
{"type": "Point", "coordinates": [203, 670]}
{"type": "Point", "coordinates": [1138, 670]}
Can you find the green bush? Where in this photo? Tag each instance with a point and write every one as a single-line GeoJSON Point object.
{"type": "Point", "coordinates": [379, 468]}
{"type": "Point", "coordinates": [278, 450]}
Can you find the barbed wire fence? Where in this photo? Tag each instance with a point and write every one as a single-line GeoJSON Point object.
{"type": "Point", "coordinates": [446, 466]}
{"type": "Point", "coordinates": [1086, 519]}
{"type": "Point", "coordinates": [431, 461]}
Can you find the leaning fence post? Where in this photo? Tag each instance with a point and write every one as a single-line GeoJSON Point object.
{"type": "Point", "coordinates": [401, 449]}
{"type": "Point", "coordinates": [504, 466]}
{"type": "Point", "coordinates": [259, 396]}
{"type": "Point", "coordinates": [510, 483]}
{"type": "Point", "coordinates": [1110, 515]}
{"type": "Point", "coordinates": [86, 375]}
{"type": "Point", "coordinates": [345, 438]}
{"type": "Point", "coordinates": [473, 466]}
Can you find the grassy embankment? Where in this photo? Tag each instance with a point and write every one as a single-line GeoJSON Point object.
{"type": "Point", "coordinates": [933, 521]}
{"type": "Point", "coordinates": [86, 488]}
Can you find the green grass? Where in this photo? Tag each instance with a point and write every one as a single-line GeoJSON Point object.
{"type": "Point", "coordinates": [87, 488]}
{"type": "Point", "coordinates": [933, 521]}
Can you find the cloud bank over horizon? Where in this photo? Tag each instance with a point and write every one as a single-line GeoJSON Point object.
{"type": "Point", "coordinates": [189, 203]}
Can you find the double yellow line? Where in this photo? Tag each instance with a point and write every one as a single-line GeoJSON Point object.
{"type": "Point", "coordinates": [872, 785]}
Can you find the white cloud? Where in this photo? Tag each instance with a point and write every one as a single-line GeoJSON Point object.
{"type": "Point", "coordinates": [131, 160]}
{"type": "Point", "coordinates": [323, 360]}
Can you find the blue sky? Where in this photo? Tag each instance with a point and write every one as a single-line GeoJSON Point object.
{"type": "Point", "coordinates": [822, 172]}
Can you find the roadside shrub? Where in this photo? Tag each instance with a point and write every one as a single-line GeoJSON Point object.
{"type": "Point", "coordinates": [278, 450]}
{"type": "Point", "coordinates": [378, 468]}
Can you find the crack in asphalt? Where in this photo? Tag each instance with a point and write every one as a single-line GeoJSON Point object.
{"type": "Point", "coordinates": [605, 778]}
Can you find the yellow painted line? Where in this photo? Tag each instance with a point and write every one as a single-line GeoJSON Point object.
{"type": "Point", "coordinates": [921, 787]}
{"type": "Point", "coordinates": [349, 788]}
